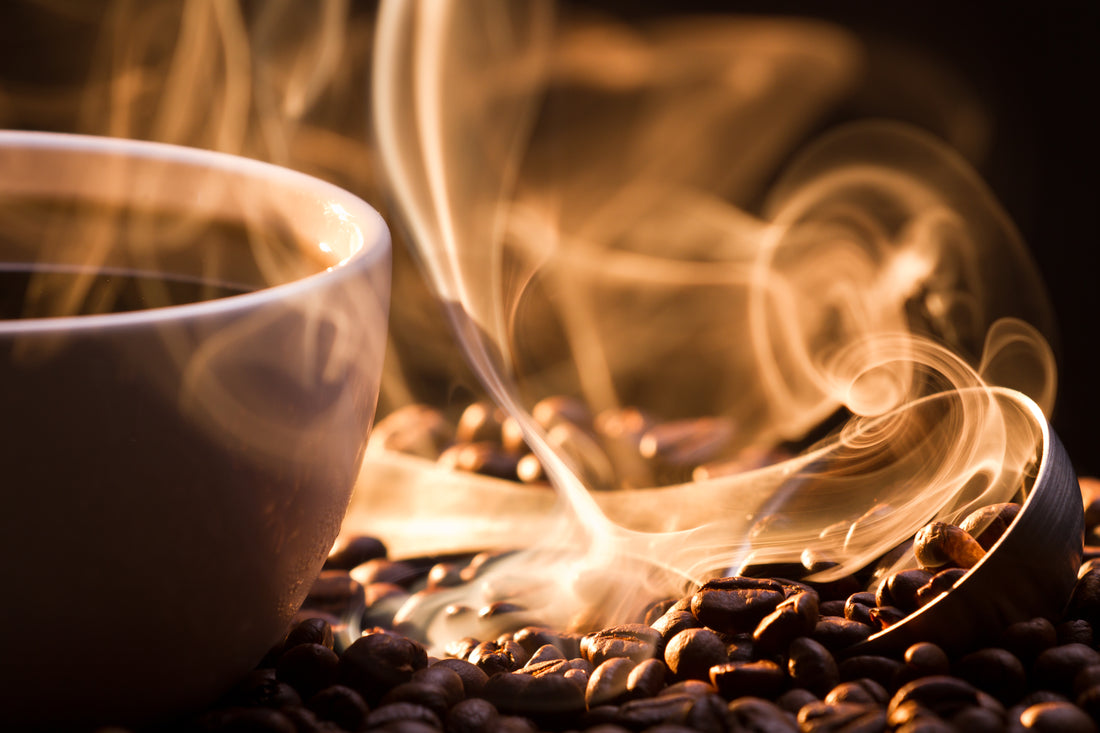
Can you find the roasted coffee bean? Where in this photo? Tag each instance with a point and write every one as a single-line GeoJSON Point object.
{"type": "Point", "coordinates": [939, 544]}
{"type": "Point", "coordinates": [494, 658]}
{"type": "Point", "coordinates": [885, 616]}
{"type": "Point", "coordinates": [335, 592]}
{"type": "Point", "coordinates": [923, 659]}
{"type": "Point", "coordinates": [673, 622]}
{"type": "Point", "coordinates": [635, 641]}
{"type": "Point", "coordinates": [552, 666]}
{"type": "Point", "coordinates": [445, 678]}
{"type": "Point", "coordinates": [1056, 668]}
{"type": "Point", "coordinates": [692, 652]}
{"type": "Point", "coordinates": [941, 582]}
{"type": "Point", "coordinates": [659, 608]}
{"type": "Point", "coordinates": [822, 717]}
{"type": "Point", "coordinates": [400, 713]}
{"type": "Point", "coordinates": [831, 608]}
{"type": "Point", "coordinates": [444, 575]}
{"type": "Point", "coordinates": [1028, 639]}
{"type": "Point", "coordinates": [484, 457]}
{"type": "Point", "coordinates": [695, 688]}
{"type": "Point", "coordinates": [308, 668]}
{"type": "Point", "coordinates": [812, 666]}
{"type": "Point", "coordinates": [376, 662]}
{"type": "Point", "coordinates": [650, 712]}
{"type": "Point", "coordinates": [988, 524]}
{"type": "Point", "coordinates": [533, 637]}
{"type": "Point", "coordinates": [546, 698]}
{"type": "Point", "coordinates": [762, 678]}
{"type": "Point", "coordinates": [381, 570]}
{"type": "Point", "coordinates": [797, 616]}
{"type": "Point", "coordinates": [473, 677]}
{"type": "Point", "coordinates": [1075, 631]}
{"type": "Point", "coordinates": [864, 691]}
{"type": "Point", "coordinates": [647, 678]}
{"type": "Point", "coordinates": [882, 670]}
{"type": "Point", "coordinates": [996, 671]}
{"type": "Point", "coordinates": [313, 630]}
{"type": "Point", "coordinates": [900, 589]}
{"type": "Point", "coordinates": [1085, 601]}
{"type": "Point", "coordinates": [545, 653]}
{"type": "Point", "coordinates": [354, 550]}
{"type": "Point", "coordinates": [341, 705]}
{"type": "Point", "coordinates": [858, 607]}
{"type": "Point", "coordinates": [1060, 717]}
{"type": "Point", "coordinates": [707, 714]}
{"type": "Point", "coordinates": [480, 421]}
{"type": "Point", "coordinates": [431, 696]}
{"type": "Point", "coordinates": [608, 684]}
{"type": "Point", "coordinates": [415, 429]}
{"type": "Point", "coordinates": [471, 716]}
{"type": "Point", "coordinates": [978, 720]}
{"type": "Point", "coordinates": [794, 699]}
{"type": "Point", "coordinates": [942, 694]}
{"type": "Point", "coordinates": [760, 716]}
{"type": "Point", "coordinates": [736, 604]}
{"type": "Point", "coordinates": [836, 634]}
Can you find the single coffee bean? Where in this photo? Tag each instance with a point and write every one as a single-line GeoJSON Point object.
{"type": "Point", "coordinates": [759, 715]}
{"type": "Point", "coordinates": [608, 684]}
{"type": "Point", "coordinates": [552, 666]}
{"type": "Point", "coordinates": [431, 696]}
{"type": "Point", "coordinates": [647, 678]}
{"type": "Point", "coordinates": [795, 699]}
{"type": "Point", "coordinates": [831, 608]}
{"type": "Point", "coordinates": [1084, 603]}
{"type": "Point", "coordinates": [1057, 667]}
{"type": "Point", "coordinates": [673, 622]}
{"type": "Point", "coordinates": [650, 712]}
{"type": "Point", "coordinates": [988, 524]}
{"type": "Point", "coordinates": [545, 653]}
{"type": "Point", "coordinates": [1062, 717]}
{"type": "Point", "coordinates": [1075, 631]}
{"type": "Point", "coordinates": [335, 592]}
{"type": "Point", "coordinates": [858, 607]}
{"type": "Point", "coordinates": [939, 543]}
{"type": "Point", "coordinates": [762, 678]}
{"type": "Point", "coordinates": [473, 715]}
{"type": "Point", "coordinates": [942, 694]}
{"type": "Point", "coordinates": [415, 429]}
{"type": "Point", "coordinates": [308, 668]}
{"type": "Point", "coordinates": [996, 671]}
{"type": "Point", "coordinates": [532, 638]}
{"type": "Point", "coordinates": [837, 634]}
{"type": "Point", "coordinates": [315, 630]}
{"type": "Point", "coordinates": [924, 659]}
{"type": "Point", "coordinates": [797, 616]}
{"type": "Point", "coordinates": [694, 688]}
{"type": "Point", "coordinates": [734, 605]}
{"type": "Point", "coordinates": [635, 641]}
{"type": "Point", "coordinates": [900, 589]}
{"type": "Point", "coordinates": [354, 550]}
{"type": "Point", "coordinates": [377, 662]}
{"type": "Point", "coordinates": [445, 678]}
{"type": "Point", "coordinates": [400, 714]}
{"type": "Point", "coordinates": [341, 705]}
{"type": "Point", "coordinates": [480, 421]}
{"type": "Point", "coordinates": [473, 677]}
{"type": "Point", "coordinates": [941, 582]}
{"type": "Point", "coordinates": [864, 691]}
{"type": "Point", "coordinates": [812, 666]}
{"type": "Point", "coordinates": [707, 714]}
{"type": "Point", "coordinates": [882, 670]}
{"type": "Point", "coordinates": [494, 658]}
{"type": "Point", "coordinates": [976, 719]}
{"type": "Point", "coordinates": [692, 652]}
{"type": "Point", "coordinates": [823, 717]}
{"type": "Point", "coordinates": [886, 616]}
{"type": "Point", "coordinates": [547, 698]}
{"type": "Point", "coordinates": [1028, 639]}
{"type": "Point", "coordinates": [484, 457]}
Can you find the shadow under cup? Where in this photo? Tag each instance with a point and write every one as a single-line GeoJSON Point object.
{"type": "Point", "coordinates": [190, 359]}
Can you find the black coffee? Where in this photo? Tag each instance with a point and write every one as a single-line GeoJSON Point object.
{"type": "Point", "coordinates": [41, 292]}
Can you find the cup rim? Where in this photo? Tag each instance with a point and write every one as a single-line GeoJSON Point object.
{"type": "Point", "coordinates": [366, 216]}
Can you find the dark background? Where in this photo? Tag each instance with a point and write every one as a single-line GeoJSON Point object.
{"type": "Point", "coordinates": [1036, 69]}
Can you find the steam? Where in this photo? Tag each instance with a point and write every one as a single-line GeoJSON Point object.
{"type": "Point", "coordinates": [586, 199]}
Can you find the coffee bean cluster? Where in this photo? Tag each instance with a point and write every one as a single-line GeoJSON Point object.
{"type": "Point", "coordinates": [738, 653]}
{"type": "Point", "coordinates": [613, 449]}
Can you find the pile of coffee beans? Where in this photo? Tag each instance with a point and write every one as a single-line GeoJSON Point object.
{"type": "Point", "coordinates": [616, 448]}
{"type": "Point", "coordinates": [739, 653]}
